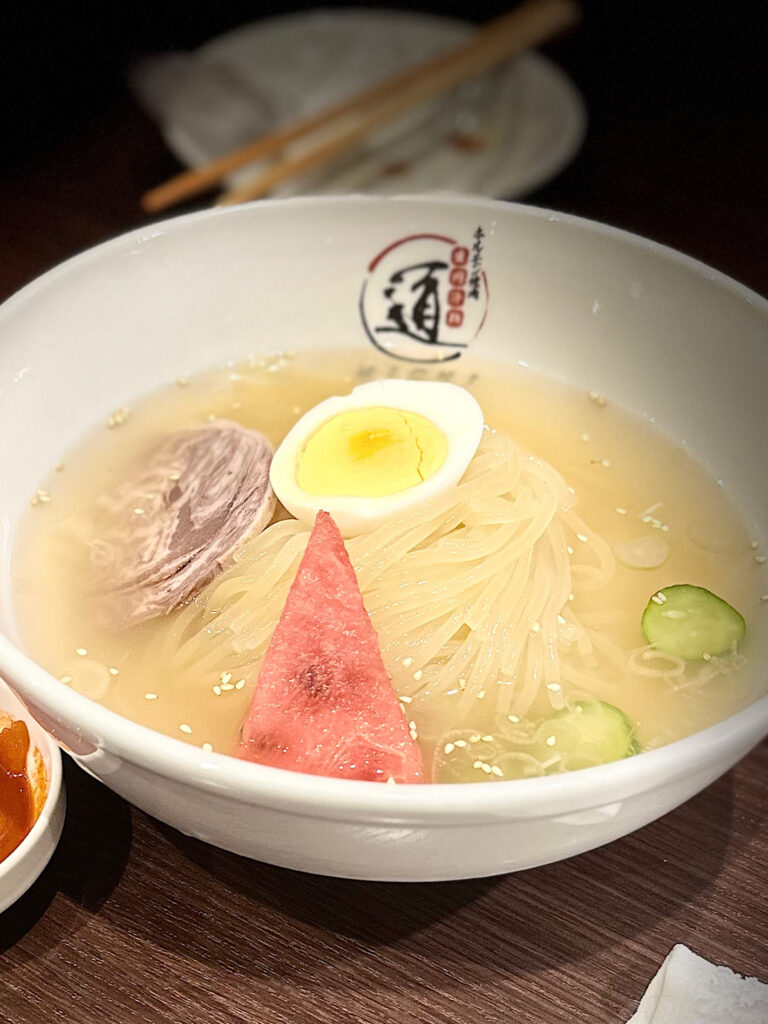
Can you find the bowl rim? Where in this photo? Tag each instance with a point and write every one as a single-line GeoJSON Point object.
{"type": "Point", "coordinates": [323, 797]}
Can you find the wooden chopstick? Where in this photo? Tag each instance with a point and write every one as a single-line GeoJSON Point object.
{"type": "Point", "coordinates": [200, 179]}
{"type": "Point", "coordinates": [528, 25]}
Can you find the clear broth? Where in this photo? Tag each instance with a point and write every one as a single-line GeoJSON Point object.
{"type": "Point", "coordinates": [629, 481]}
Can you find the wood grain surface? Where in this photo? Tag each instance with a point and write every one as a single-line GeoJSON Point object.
{"type": "Point", "coordinates": [133, 922]}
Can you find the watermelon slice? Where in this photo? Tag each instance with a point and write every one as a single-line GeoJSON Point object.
{"type": "Point", "coordinates": [324, 703]}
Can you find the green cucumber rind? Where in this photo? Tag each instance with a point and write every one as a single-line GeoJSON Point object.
{"type": "Point", "coordinates": [722, 634]}
{"type": "Point", "coordinates": [623, 742]}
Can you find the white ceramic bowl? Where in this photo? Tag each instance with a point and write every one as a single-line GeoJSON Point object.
{"type": "Point", "coordinates": [21, 867]}
{"type": "Point", "coordinates": [658, 332]}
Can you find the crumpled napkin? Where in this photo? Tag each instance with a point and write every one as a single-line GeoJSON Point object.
{"type": "Point", "coordinates": [690, 990]}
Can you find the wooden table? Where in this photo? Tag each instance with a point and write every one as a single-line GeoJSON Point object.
{"type": "Point", "coordinates": [134, 922]}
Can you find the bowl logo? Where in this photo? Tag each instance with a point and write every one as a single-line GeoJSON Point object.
{"type": "Point", "coordinates": [426, 297]}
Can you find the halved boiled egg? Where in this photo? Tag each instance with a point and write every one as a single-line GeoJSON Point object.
{"type": "Point", "coordinates": [370, 455]}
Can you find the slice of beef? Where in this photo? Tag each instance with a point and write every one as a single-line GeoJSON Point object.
{"type": "Point", "coordinates": [165, 533]}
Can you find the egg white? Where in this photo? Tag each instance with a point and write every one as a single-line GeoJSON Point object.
{"type": "Point", "coordinates": [452, 410]}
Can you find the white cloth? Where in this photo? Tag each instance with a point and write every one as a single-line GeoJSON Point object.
{"type": "Point", "coordinates": [690, 990]}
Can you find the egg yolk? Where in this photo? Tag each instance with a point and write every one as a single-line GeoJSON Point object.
{"type": "Point", "coordinates": [370, 453]}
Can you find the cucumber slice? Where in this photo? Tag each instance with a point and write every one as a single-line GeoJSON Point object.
{"type": "Point", "coordinates": [589, 732]}
{"type": "Point", "coordinates": [692, 622]}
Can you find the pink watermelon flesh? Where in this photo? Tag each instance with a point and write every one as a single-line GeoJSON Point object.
{"type": "Point", "coordinates": [324, 703]}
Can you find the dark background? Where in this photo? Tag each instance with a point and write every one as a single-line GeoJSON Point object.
{"type": "Point", "coordinates": [677, 150]}
{"type": "Point", "coordinates": [677, 147]}
{"type": "Point", "coordinates": [674, 59]}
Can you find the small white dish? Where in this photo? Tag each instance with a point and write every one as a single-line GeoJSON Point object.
{"type": "Point", "coordinates": [529, 114]}
{"type": "Point", "coordinates": [20, 869]}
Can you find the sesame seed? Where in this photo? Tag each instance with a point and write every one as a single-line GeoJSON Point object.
{"type": "Point", "coordinates": [754, 545]}
{"type": "Point", "coordinates": [597, 399]}
{"type": "Point", "coordinates": [405, 699]}
{"type": "Point", "coordinates": [150, 696]}
{"type": "Point", "coordinates": [174, 476]}
{"type": "Point", "coordinates": [582, 537]}
{"type": "Point", "coordinates": [113, 671]}
{"type": "Point", "coordinates": [480, 695]}
{"type": "Point", "coordinates": [39, 498]}
{"type": "Point", "coordinates": [569, 549]}
{"type": "Point", "coordinates": [460, 744]}
{"type": "Point", "coordinates": [239, 684]}
{"type": "Point", "coordinates": [390, 782]}
{"type": "Point", "coordinates": [138, 511]}
{"type": "Point", "coordinates": [554, 687]}
{"type": "Point", "coordinates": [407, 662]}
{"type": "Point", "coordinates": [606, 463]}
{"type": "Point", "coordinates": [496, 770]}
{"type": "Point", "coordinates": [185, 728]}
{"type": "Point", "coordinates": [562, 620]}
{"type": "Point", "coordinates": [217, 690]}
{"type": "Point", "coordinates": [585, 437]}
{"type": "Point", "coordinates": [535, 627]}
{"type": "Point", "coordinates": [550, 741]}
{"type": "Point", "coordinates": [81, 651]}
{"type": "Point", "coordinates": [65, 679]}
{"type": "Point", "coordinates": [225, 677]}
{"type": "Point", "coordinates": [513, 718]}
{"type": "Point", "coordinates": [417, 675]}
{"type": "Point", "coordinates": [764, 597]}
{"type": "Point", "coordinates": [448, 748]}
{"type": "Point", "coordinates": [760, 559]}
{"type": "Point", "coordinates": [474, 737]}
{"type": "Point", "coordinates": [621, 511]}
{"type": "Point", "coordinates": [487, 739]}
{"type": "Point", "coordinates": [208, 748]}
{"type": "Point", "coordinates": [118, 417]}
{"type": "Point", "coordinates": [462, 682]}
{"type": "Point", "coordinates": [227, 686]}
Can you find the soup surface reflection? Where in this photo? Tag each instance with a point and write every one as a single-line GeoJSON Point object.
{"type": "Point", "coordinates": [660, 517]}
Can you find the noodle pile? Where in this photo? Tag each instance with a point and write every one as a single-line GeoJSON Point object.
{"type": "Point", "coordinates": [469, 593]}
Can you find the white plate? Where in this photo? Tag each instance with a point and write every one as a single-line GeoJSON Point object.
{"type": "Point", "coordinates": [240, 85]}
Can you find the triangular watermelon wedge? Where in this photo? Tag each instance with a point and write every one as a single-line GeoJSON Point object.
{"type": "Point", "coordinates": [324, 703]}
